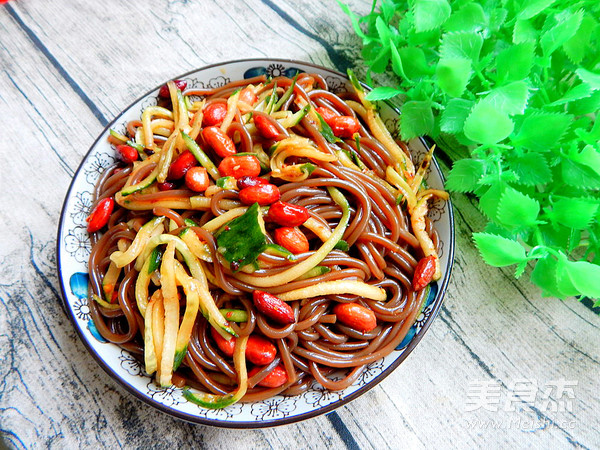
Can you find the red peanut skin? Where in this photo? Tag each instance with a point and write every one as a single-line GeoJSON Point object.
{"type": "Point", "coordinates": [265, 128]}
{"type": "Point", "coordinates": [355, 316]}
{"type": "Point", "coordinates": [181, 165]}
{"type": "Point", "coordinates": [127, 153]}
{"type": "Point", "coordinates": [197, 179]}
{"type": "Point", "coordinates": [263, 194]}
{"type": "Point", "coordinates": [259, 350]}
{"type": "Point", "coordinates": [248, 96]}
{"type": "Point", "coordinates": [344, 126]}
{"type": "Point", "coordinates": [164, 90]}
{"type": "Point", "coordinates": [276, 378]}
{"type": "Point", "coordinates": [214, 114]}
{"type": "Point", "coordinates": [292, 238]}
{"type": "Point", "coordinates": [219, 141]}
{"type": "Point", "coordinates": [240, 166]}
{"type": "Point", "coordinates": [424, 272]}
{"type": "Point", "coordinates": [244, 182]}
{"type": "Point", "coordinates": [166, 186]}
{"type": "Point", "coordinates": [100, 215]}
{"type": "Point", "coordinates": [287, 215]}
{"type": "Point", "coordinates": [273, 307]}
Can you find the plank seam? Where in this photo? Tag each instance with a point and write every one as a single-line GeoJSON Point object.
{"type": "Point", "coordinates": [61, 70]}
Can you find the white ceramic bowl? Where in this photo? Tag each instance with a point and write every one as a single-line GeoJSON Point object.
{"type": "Point", "coordinates": [74, 248]}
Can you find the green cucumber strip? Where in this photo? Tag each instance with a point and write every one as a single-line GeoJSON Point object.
{"type": "Point", "coordinates": [179, 355]}
{"type": "Point", "coordinates": [299, 115]}
{"type": "Point", "coordinates": [227, 183]}
{"type": "Point", "coordinates": [146, 182]}
{"type": "Point", "coordinates": [209, 309]}
{"type": "Point", "coordinates": [278, 250]}
{"type": "Point", "coordinates": [342, 245]}
{"type": "Point", "coordinates": [326, 130]}
{"type": "Point", "coordinates": [286, 95]}
{"type": "Point", "coordinates": [155, 258]}
{"type": "Point", "coordinates": [210, 401]}
{"type": "Point", "coordinates": [117, 135]}
{"type": "Point", "coordinates": [189, 223]}
{"type": "Point", "coordinates": [234, 315]}
{"type": "Point", "coordinates": [315, 272]}
{"type": "Point", "coordinates": [202, 158]}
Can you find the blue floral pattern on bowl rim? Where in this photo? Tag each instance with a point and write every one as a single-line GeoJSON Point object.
{"type": "Point", "coordinates": [73, 249]}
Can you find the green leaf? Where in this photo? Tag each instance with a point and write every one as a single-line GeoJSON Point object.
{"type": "Point", "coordinates": [560, 33]}
{"type": "Point", "coordinates": [534, 7]}
{"type": "Point", "coordinates": [579, 175]}
{"type": "Point", "coordinates": [589, 156]}
{"type": "Point", "coordinates": [517, 210]}
{"type": "Point", "coordinates": [497, 17]}
{"type": "Point", "coordinates": [544, 275]}
{"type": "Point", "coordinates": [453, 74]}
{"type": "Point", "coordinates": [326, 130]}
{"type": "Point", "coordinates": [354, 21]}
{"type": "Point", "coordinates": [514, 63]}
{"type": "Point", "coordinates": [577, 47]}
{"type": "Point", "coordinates": [465, 175]}
{"type": "Point", "coordinates": [383, 93]}
{"type": "Point", "coordinates": [524, 31]}
{"type": "Point", "coordinates": [510, 99]}
{"type": "Point", "coordinates": [531, 168]}
{"type": "Point", "coordinates": [542, 131]}
{"type": "Point", "coordinates": [587, 105]}
{"type": "Point", "coordinates": [578, 92]}
{"type": "Point", "coordinates": [465, 45]}
{"type": "Point", "coordinates": [489, 201]}
{"type": "Point", "coordinates": [469, 17]}
{"type": "Point", "coordinates": [416, 119]}
{"type": "Point", "coordinates": [455, 114]}
{"type": "Point", "coordinates": [383, 30]}
{"type": "Point", "coordinates": [414, 62]}
{"type": "Point", "coordinates": [574, 212]}
{"type": "Point", "coordinates": [241, 240]}
{"type": "Point", "coordinates": [591, 78]}
{"type": "Point", "coordinates": [430, 14]}
{"type": "Point", "coordinates": [584, 276]}
{"type": "Point", "coordinates": [397, 65]}
{"type": "Point", "coordinates": [498, 251]}
{"type": "Point", "coordinates": [487, 125]}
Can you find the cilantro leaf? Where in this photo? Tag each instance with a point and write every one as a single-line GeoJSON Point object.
{"type": "Point", "coordinates": [416, 119]}
{"type": "Point", "coordinates": [576, 47]}
{"type": "Point", "coordinates": [465, 175]}
{"type": "Point", "coordinates": [489, 201]}
{"type": "Point", "coordinates": [517, 210]}
{"type": "Point", "coordinates": [499, 251]}
{"type": "Point", "coordinates": [241, 240]}
{"type": "Point", "coordinates": [487, 125]}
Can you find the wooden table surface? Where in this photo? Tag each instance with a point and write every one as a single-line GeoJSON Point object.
{"type": "Point", "coordinates": [66, 69]}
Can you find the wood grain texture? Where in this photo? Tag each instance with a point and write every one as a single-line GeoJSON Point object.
{"type": "Point", "coordinates": [67, 69]}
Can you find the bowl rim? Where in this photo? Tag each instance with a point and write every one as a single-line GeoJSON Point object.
{"type": "Point", "coordinates": [262, 423]}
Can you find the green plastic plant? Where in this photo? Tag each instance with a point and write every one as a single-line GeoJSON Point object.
{"type": "Point", "coordinates": [515, 85]}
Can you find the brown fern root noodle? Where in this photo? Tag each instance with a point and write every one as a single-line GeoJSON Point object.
{"type": "Point", "coordinates": [383, 250]}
